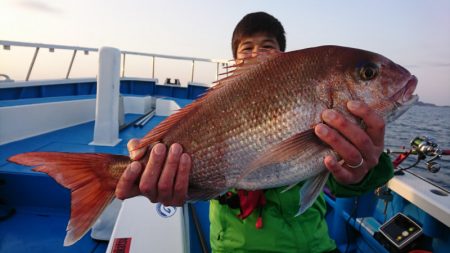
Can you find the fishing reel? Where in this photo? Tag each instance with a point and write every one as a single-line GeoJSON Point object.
{"type": "Point", "coordinates": [424, 147]}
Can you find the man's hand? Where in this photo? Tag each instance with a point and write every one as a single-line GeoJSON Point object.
{"type": "Point", "coordinates": [165, 178]}
{"type": "Point", "coordinates": [359, 149]}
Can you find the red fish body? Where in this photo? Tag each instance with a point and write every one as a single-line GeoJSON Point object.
{"type": "Point", "coordinates": [251, 131]}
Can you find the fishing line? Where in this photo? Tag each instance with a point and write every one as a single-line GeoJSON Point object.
{"type": "Point", "coordinates": [362, 237]}
{"type": "Point", "coordinates": [347, 223]}
{"type": "Point", "coordinates": [198, 228]}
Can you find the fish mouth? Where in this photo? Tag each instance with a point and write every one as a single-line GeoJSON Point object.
{"type": "Point", "coordinates": [405, 94]}
{"type": "Point", "coordinates": [403, 99]}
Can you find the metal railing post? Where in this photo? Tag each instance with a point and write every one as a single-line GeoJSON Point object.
{"type": "Point", "coordinates": [217, 71]}
{"type": "Point", "coordinates": [153, 67]}
{"type": "Point", "coordinates": [32, 64]}
{"type": "Point", "coordinates": [123, 65]}
{"type": "Point", "coordinates": [71, 63]}
{"type": "Point", "coordinates": [192, 72]}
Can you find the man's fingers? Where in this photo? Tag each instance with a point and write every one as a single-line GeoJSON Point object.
{"type": "Point", "coordinates": [149, 180]}
{"type": "Point", "coordinates": [182, 180]}
{"type": "Point", "coordinates": [351, 131]}
{"type": "Point", "coordinates": [167, 179]}
{"type": "Point", "coordinates": [374, 123]}
{"type": "Point", "coordinates": [359, 148]}
{"type": "Point", "coordinates": [341, 174]}
{"type": "Point", "coordinates": [135, 154]}
{"type": "Point", "coordinates": [127, 185]}
{"type": "Point", "coordinates": [339, 144]}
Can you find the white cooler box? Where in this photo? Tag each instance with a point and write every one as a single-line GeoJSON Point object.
{"type": "Point", "coordinates": [143, 226]}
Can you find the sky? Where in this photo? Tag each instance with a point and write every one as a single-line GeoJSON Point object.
{"type": "Point", "coordinates": [412, 33]}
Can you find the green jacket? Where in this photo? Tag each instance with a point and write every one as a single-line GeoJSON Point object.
{"type": "Point", "coordinates": [282, 231]}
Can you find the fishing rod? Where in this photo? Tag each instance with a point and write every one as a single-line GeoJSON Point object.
{"type": "Point", "coordinates": [139, 122]}
{"type": "Point", "coordinates": [425, 148]}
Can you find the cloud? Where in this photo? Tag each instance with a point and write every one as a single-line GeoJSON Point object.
{"type": "Point", "coordinates": [40, 6]}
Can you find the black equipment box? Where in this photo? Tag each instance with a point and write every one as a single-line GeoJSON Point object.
{"type": "Point", "coordinates": [400, 230]}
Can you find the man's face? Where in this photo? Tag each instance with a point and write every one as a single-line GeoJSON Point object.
{"type": "Point", "coordinates": [251, 45]}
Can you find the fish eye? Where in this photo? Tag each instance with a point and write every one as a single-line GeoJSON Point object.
{"type": "Point", "coordinates": [368, 72]}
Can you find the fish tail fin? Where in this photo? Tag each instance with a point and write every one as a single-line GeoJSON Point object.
{"type": "Point", "coordinates": [87, 176]}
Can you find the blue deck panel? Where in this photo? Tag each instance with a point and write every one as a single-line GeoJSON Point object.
{"type": "Point", "coordinates": [57, 90]}
{"type": "Point", "coordinates": [137, 87]}
{"type": "Point", "coordinates": [81, 134]}
{"type": "Point", "coordinates": [127, 87]}
{"type": "Point", "coordinates": [30, 231]}
{"type": "Point", "coordinates": [34, 100]}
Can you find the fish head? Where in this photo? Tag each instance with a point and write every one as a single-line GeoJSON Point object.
{"type": "Point", "coordinates": [374, 79]}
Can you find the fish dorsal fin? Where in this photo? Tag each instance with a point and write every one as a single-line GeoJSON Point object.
{"type": "Point", "coordinates": [287, 149]}
{"type": "Point", "coordinates": [248, 63]}
{"type": "Point", "coordinates": [157, 133]}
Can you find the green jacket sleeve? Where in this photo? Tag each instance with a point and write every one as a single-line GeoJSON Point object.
{"type": "Point", "coordinates": [376, 177]}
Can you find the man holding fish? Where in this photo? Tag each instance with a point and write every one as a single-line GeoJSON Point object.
{"type": "Point", "coordinates": [358, 167]}
{"type": "Point", "coordinates": [262, 143]}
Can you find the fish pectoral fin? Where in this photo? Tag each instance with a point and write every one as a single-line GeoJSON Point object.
{"type": "Point", "coordinates": [289, 187]}
{"type": "Point", "coordinates": [293, 147]}
{"type": "Point", "coordinates": [311, 190]}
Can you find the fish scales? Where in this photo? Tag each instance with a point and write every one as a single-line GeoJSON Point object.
{"type": "Point", "coordinates": [226, 141]}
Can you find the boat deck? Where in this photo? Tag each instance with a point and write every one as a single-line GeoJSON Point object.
{"type": "Point", "coordinates": [34, 209]}
{"type": "Point", "coordinates": [42, 206]}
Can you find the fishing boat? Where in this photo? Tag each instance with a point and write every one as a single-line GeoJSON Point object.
{"type": "Point", "coordinates": [100, 114]}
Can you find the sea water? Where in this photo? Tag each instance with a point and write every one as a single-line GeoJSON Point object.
{"type": "Point", "coordinates": [431, 121]}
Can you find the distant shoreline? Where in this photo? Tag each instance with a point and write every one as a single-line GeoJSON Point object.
{"type": "Point", "coordinates": [420, 103]}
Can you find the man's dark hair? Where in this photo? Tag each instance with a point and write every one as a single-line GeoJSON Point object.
{"type": "Point", "coordinates": [258, 22]}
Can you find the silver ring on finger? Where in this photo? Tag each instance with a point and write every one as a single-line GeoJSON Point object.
{"type": "Point", "coordinates": [356, 166]}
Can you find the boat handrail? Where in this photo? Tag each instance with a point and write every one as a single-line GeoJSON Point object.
{"type": "Point", "coordinates": [8, 43]}
{"type": "Point", "coordinates": [6, 78]}
{"type": "Point", "coordinates": [7, 46]}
